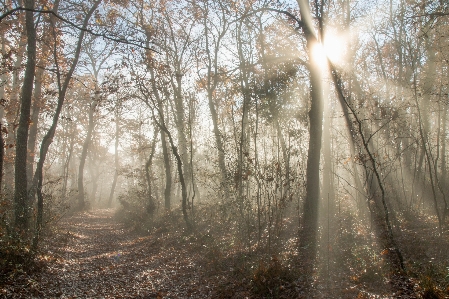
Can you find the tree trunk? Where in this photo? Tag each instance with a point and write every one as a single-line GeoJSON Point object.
{"type": "Point", "coordinates": [168, 178]}
{"type": "Point", "coordinates": [87, 141]}
{"type": "Point", "coordinates": [12, 114]}
{"type": "Point", "coordinates": [157, 105]}
{"type": "Point", "coordinates": [219, 143]}
{"type": "Point", "coordinates": [443, 154]}
{"type": "Point", "coordinates": [48, 138]}
{"type": "Point", "coordinates": [328, 188]}
{"type": "Point", "coordinates": [20, 170]}
{"type": "Point", "coordinates": [33, 128]}
{"type": "Point", "coordinates": [243, 142]}
{"type": "Point", "coordinates": [3, 82]}
{"type": "Point", "coordinates": [66, 166]}
{"type": "Point", "coordinates": [378, 205]}
{"type": "Point", "coordinates": [309, 230]}
{"type": "Point", "coordinates": [116, 161]}
{"type": "Point", "coordinates": [2, 155]}
{"type": "Point", "coordinates": [94, 176]}
{"type": "Point", "coordinates": [175, 152]}
{"type": "Point", "coordinates": [151, 202]}
{"type": "Point", "coordinates": [212, 82]}
{"type": "Point", "coordinates": [180, 123]}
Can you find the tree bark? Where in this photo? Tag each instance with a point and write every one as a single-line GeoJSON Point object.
{"type": "Point", "coordinates": [33, 128]}
{"type": "Point", "coordinates": [168, 178]}
{"type": "Point", "coordinates": [12, 114]}
{"type": "Point", "coordinates": [2, 156]}
{"type": "Point", "coordinates": [3, 81]}
{"type": "Point", "coordinates": [20, 173]}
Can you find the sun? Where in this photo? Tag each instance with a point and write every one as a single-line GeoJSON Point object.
{"type": "Point", "coordinates": [332, 47]}
{"type": "Point", "coordinates": [319, 56]}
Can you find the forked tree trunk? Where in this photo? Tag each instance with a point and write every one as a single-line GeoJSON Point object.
{"type": "Point", "coordinates": [212, 78]}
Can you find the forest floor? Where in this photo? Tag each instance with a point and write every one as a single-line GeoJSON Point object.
{"type": "Point", "coordinates": [92, 255]}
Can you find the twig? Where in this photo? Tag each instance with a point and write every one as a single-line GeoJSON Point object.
{"type": "Point", "coordinates": [136, 43]}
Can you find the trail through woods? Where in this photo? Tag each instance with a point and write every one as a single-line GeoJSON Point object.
{"type": "Point", "coordinates": [94, 256]}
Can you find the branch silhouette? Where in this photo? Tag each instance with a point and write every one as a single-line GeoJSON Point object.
{"type": "Point", "coordinates": [136, 43]}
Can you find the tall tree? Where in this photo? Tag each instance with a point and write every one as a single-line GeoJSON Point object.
{"type": "Point", "coordinates": [97, 62]}
{"type": "Point", "coordinates": [213, 41]}
{"type": "Point", "coordinates": [20, 170]}
{"type": "Point", "coordinates": [48, 137]}
{"type": "Point", "coordinates": [309, 230]}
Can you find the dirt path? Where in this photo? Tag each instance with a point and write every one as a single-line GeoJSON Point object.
{"type": "Point", "coordinates": [93, 256]}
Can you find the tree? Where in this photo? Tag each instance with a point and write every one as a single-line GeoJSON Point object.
{"type": "Point", "coordinates": [48, 138]}
{"type": "Point", "coordinates": [20, 185]}
{"type": "Point", "coordinates": [309, 230]}
{"type": "Point", "coordinates": [97, 63]}
{"type": "Point", "coordinates": [212, 46]}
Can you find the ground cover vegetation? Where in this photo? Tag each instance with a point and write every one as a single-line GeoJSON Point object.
{"type": "Point", "coordinates": [224, 149]}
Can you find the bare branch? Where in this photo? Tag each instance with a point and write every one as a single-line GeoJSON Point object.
{"type": "Point", "coordinates": [288, 14]}
{"type": "Point", "coordinates": [432, 14]}
{"type": "Point", "coordinates": [136, 43]}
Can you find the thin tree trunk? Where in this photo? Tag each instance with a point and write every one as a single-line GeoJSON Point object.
{"type": "Point", "coordinates": [180, 123]}
{"type": "Point", "coordinates": [168, 178]}
{"type": "Point", "coordinates": [379, 209]}
{"type": "Point", "coordinates": [87, 141]}
{"type": "Point", "coordinates": [151, 202]}
{"type": "Point", "coordinates": [212, 82]}
{"type": "Point", "coordinates": [243, 142]}
{"type": "Point", "coordinates": [116, 157]}
{"type": "Point", "coordinates": [424, 140]}
{"type": "Point", "coordinates": [66, 166]}
{"type": "Point", "coordinates": [180, 174]}
{"type": "Point", "coordinates": [48, 138]}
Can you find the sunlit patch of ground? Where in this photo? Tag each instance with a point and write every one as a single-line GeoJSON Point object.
{"type": "Point", "coordinates": [109, 261]}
